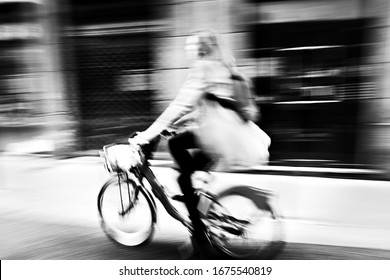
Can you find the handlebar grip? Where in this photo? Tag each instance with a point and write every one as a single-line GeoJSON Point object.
{"type": "Point", "coordinates": [167, 133]}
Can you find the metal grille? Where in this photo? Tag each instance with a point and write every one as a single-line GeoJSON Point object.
{"type": "Point", "coordinates": [115, 98]}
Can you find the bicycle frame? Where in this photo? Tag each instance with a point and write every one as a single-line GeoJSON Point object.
{"type": "Point", "coordinates": [157, 189]}
{"type": "Point", "coordinates": [159, 192]}
{"type": "Point", "coordinates": [143, 171]}
{"type": "Point", "coordinates": [227, 228]}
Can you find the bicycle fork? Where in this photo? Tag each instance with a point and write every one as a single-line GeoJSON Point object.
{"type": "Point", "coordinates": [131, 193]}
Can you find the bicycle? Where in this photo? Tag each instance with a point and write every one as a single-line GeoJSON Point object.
{"type": "Point", "coordinates": [241, 221]}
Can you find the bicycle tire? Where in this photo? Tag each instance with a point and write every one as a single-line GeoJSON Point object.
{"type": "Point", "coordinates": [123, 227]}
{"type": "Point", "coordinates": [232, 216]}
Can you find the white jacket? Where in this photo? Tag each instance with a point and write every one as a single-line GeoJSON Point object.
{"type": "Point", "coordinates": [220, 131]}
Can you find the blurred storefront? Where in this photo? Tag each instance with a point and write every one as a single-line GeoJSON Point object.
{"type": "Point", "coordinates": [319, 81]}
{"type": "Point", "coordinates": [314, 64]}
{"type": "Point", "coordinates": [32, 102]}
{"type": "Point", "coordinates": [112, 63]}
{"type": "Point", "coordinates": [311, 88]}
{"type": "Point", "coordinates": [99, 70]}
{"type": "Point", "coordinates": [21, 34]}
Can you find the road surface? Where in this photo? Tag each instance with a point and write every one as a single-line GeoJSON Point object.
{"type": "Point", "coordinates": [48, 212]}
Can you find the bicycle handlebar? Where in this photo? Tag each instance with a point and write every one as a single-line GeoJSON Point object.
{"type": "Point", "coordinates": [146, 151]}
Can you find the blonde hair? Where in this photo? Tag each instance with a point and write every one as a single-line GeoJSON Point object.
{"type": "Point", "coordinates": [210, 44]}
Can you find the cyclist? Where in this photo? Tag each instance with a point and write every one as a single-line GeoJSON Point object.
{"type": "Point", "coordinates": [199, 147]}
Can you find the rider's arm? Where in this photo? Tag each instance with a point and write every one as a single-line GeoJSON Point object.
{"type": "Point", "coordinates": [184, 103]}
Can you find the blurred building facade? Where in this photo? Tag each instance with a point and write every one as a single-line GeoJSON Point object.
{"type": "Point", "coordinates": [33, 110]}
{"type": "Point", "coordinates": [319, 66]}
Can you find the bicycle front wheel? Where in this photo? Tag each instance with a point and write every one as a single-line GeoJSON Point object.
{"type": "Point", "coordinates": [243, 228]}
{"type": "Point", "coordinates": [127, 213]}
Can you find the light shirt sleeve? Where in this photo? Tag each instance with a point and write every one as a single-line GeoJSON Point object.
{"type": "Point", "coordinates": [185, 102]}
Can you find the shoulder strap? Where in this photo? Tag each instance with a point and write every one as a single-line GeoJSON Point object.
{"type": "Point", "coordinates": [228, 104]}
{"type": "Point", "coordinates": [242, 90]}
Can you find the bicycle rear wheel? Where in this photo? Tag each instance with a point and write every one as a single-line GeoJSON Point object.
{"type": "Point", "coordinates": [127, 213]}
{"type": "Point", "coordinates": [244, 228]}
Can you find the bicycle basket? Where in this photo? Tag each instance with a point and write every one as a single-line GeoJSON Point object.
{"type": "Point", "coordinates": [121, 158]}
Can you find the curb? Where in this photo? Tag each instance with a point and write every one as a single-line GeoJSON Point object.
{"type": "Point", "coordinates": [164, 160]}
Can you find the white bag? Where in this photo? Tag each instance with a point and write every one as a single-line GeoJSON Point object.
{"type": "Point", "coordinates": [232, 142]}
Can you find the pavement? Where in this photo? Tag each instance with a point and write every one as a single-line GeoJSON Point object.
{"type": "Point", "coordinates": [317, 209]}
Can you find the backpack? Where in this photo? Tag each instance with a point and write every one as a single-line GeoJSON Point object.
{"type": "Point", "coordinates": [243, 94]}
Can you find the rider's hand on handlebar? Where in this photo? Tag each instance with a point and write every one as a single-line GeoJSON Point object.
{"type": "Point", "coordinates": [138, 140]}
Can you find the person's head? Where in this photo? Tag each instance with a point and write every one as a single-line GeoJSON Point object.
{"type": "Point", "coordinates": [202, 45]}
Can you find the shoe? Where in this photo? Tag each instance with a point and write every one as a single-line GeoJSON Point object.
{"type": "Point", "coordinates": [198, 248]}
{"type": "Point", "coordinates": [203, 248]}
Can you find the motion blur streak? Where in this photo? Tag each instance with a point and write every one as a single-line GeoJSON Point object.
{"type": "Point", "coordinates": [76, 75]}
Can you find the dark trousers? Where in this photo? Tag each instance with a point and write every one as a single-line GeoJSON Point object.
{"type": "Point", "coordinates": [189, 158]}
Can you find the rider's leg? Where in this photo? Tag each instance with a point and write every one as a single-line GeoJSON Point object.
{"type": "Point", "coordinates": [179, 146]}
{"type": "Point", "coordinates": [191, 201]}
{"type": "Point", "coordinates": [188, 162]}
{"type": "Point", "coordinates": [202, 161]}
